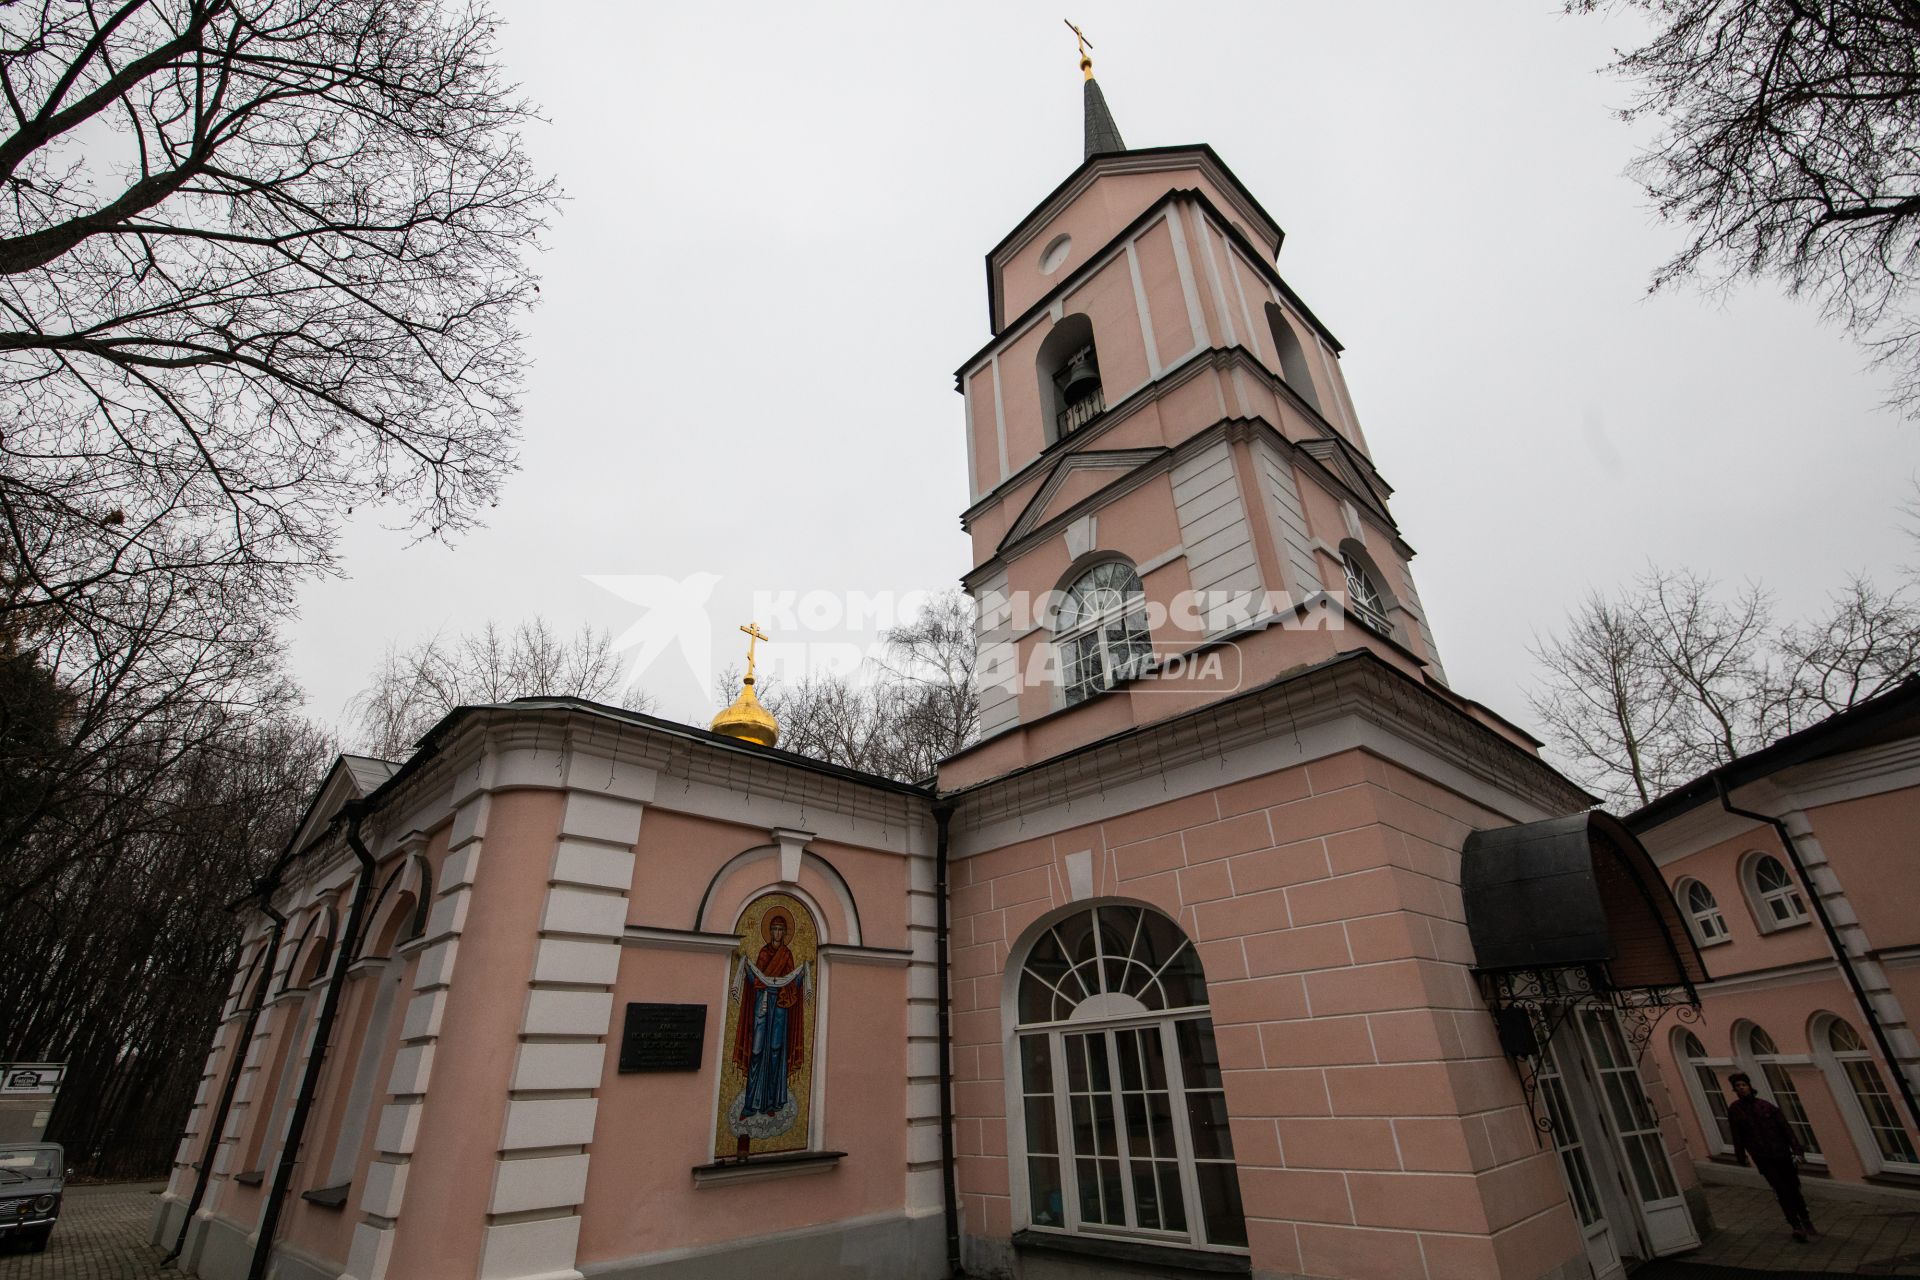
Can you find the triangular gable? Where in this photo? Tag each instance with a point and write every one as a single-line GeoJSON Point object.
{"type": "Point", "coordinates": [1339, 457]}
{"type": "Point", "coordinates": [351, 778]}
{"type": "Point", "coordinates": [1076, 477]}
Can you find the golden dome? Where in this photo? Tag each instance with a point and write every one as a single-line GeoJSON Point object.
{"type": "Point", "coordinates": [747, 720]}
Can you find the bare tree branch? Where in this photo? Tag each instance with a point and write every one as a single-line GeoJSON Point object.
{"type": "Point", "coordinates": [1791, 149]}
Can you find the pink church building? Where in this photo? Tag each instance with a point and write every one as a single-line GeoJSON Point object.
{"type": "Point", "coordinates": [1240, 943]}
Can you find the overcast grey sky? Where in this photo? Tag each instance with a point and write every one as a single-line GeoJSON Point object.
{"type": "Point", "coordinates": [770, 264]}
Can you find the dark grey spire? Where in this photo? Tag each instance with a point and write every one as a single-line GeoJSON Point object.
{"type": "Point", "coordinates": [1102, 133]}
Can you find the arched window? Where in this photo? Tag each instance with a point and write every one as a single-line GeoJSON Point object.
{"type": "Point", "coordinates": [1122, 1115]}
{"type": "Point", "coordinates": [1775, 899]}
{"type": "Point", "coordinates": [1708, 1094]}
{"type": "Point", "coordinates": [1873, 1106]}
{"type": "Point", "coordinates": [1703, 912]}
{"type": "Point", "coordinates": [1364, 598]}
{"type": "Point", "coordinates": [1293, 359]}
{"type": "Point", "coordinates": [1102, 629]}
{"type": "Point", "coordinates": [1069, 369]}
{"type": "Point", "coordinates": [1766, 1055]}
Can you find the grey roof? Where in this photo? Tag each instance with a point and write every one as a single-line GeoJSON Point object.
{"type": "Point", "coordinates": [368, 773]}
{"type": "Point", "coordinates": [1883, 718]}
{"type": "Point", "coordinates": [1102, 133]}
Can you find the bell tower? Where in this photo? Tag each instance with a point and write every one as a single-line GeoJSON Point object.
{"type": "Point", "coordinates": [1171, 497]}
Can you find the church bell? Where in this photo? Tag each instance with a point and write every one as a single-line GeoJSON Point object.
{"type": "Point", "coordinates": [1081, 376]}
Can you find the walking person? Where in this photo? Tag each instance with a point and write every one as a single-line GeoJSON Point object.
{"type": "Point", "coordinates": [1760, 1131]}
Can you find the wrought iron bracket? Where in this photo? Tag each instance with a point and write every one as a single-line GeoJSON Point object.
{"type": "Point", "coordinates": [1548, 997]}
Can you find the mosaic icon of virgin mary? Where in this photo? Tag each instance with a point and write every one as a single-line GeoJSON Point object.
{"type": "Point", "coordinates": [769, 1041]}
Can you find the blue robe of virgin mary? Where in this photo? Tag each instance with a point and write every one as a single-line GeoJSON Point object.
{"type": "Point", "coordinates": [766, 1090]}
{"type": "Point", "coordinates": [772, 1017]}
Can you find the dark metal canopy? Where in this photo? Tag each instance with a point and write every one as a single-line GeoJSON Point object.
{"type": "Point", "coordinates": [1575, 892]}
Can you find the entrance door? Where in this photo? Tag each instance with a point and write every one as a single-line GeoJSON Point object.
{"type": "Point", "coordinates": [1577, 1166]}
{"type": "Point", "coordinates": [1621, 1099]}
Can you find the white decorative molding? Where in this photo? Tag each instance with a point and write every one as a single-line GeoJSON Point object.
{"type": "Point", "coordinates": [1353, 701]}
{"type": "Point", "coordinates": [678, 939]}
{"type": "Point", "coordinates": [850, 954]}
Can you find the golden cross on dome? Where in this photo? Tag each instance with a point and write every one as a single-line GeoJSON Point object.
{"type": "Point", "coordinates": [754, 633]}
{"type": "Point", "coordinates": [1086, 63]}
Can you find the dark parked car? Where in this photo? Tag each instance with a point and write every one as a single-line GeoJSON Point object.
{"type": "Point", "coordinates": [31, 1178]}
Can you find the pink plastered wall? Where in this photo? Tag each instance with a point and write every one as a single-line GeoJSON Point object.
{"type": "Point", "coordinates": [1719, 867]}
{"type": "Point", "coordinates": [1093, 219]}
{"type": "Point", "coordinates": [1871, 842]}
{"type": "Point", "coordinates": [1375, 1122]}
{"type": "Point", "coordinates": [653, 1129]}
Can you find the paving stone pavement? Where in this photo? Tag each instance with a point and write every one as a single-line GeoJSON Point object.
{"type": "Point", "coordinates": [102, 1235]}
{"type": "Point", "coordinates": [1856, 1238]}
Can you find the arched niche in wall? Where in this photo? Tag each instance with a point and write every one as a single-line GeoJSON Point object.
{"type": "Point", "coordinates": [312, 951]}
{"type": "Point", "coordinates": [399, 913]}
{"type": "Point", "coordinates": [747, 874]}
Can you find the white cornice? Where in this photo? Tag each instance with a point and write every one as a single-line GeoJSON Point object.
{"type": "Point", "coordinates": [1786, 975]}
{"type": "Point", "coordinates": [1351, 703]}
{"type": "Point", "coordinates": [1869, 771]}
{"type": "Point", "coordinates": [565, 746]}
{"type": "Point", "coordinates": [1696, 830]}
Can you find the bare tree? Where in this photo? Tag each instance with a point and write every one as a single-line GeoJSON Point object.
{"type": "Point", "coordinates": [1599, 701]}
{"type": "Point", "coordinates": [141, 811]}
{"type": "Point", "coordinates": [1670, 678]}
{"type": "Point", "coordinates": [1791, 131]}
{"type": "Point", "coordinates": [412, 688]}
{"type": "Point", "coordinates": [930, 660]}
{"type": "Point", "coordinates": [1867, 644]}
{"type": "Point", "coordinates": [260, 264]}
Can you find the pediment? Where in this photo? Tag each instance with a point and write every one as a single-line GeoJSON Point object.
{"type": "Point", "coordinates": [1074, 479]}
{"type": "Point", "coordinates": [351, 778]}
{"type": "Point", "coordinates": [1341, 458]}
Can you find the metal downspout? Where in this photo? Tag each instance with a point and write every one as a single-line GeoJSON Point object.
{"type": "Point", "coordinates": [234, 1068]}
{"type": "Point", "coordinates": [950, 1196]}
{"type": "Point", "coordinates": [322, 1034]}
{"type": "Point", "coordinates": [1833, 940]}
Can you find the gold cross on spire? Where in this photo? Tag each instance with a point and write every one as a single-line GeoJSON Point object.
{"type": "Point", "coordinates": [753, 633]}
{"type": "Point", "coordinates": [1086, 63]}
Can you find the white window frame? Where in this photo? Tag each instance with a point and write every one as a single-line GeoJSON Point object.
{"type": "Point", "coordinates": [1834, 1064]}
{"type": "Point", "coordinates": [1365, 601]}
{"type": "Point", "coordinates": [1688, 1067]}
{"type": "Point", "coordinates": [1762, 901]}
{"type": "Point", "coordinates": [1709, 923]}
{"type": "Point", "coordinates": [1115, 669]}
{"type": "Point", "coordinates": [1103, 1012]}
{"type": "Point", "coordinates": [1754, 1060]}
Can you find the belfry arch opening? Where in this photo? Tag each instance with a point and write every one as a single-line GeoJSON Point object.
{"type": "Point", "coordinates": [1071, 394]}
{"type": "Point", "coordinates": [1293, 357]}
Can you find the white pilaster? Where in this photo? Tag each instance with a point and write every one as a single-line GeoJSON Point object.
{"type": "Point", "coordinates": [397, 1122]}
{"type": "Point", "coordinates": [540, 1176]}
